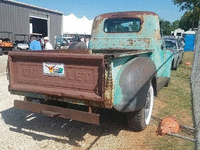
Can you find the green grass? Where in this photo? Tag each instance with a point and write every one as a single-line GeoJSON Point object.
{"type": "Point", "coordinates": [178, 102]}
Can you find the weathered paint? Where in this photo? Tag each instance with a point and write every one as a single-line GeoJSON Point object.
{"type": "Point", "coordinates": [148, 38]}
{"type": "Point", "coordinates": [127, 41]}
{"type": "Point", "coordinates": [81, 71]}
{"type": "Point", "coordinates": [118, 65]}
{"type": "Point", "coordinates": [168, 56]}
{"type": "Point", "coordinates": [131, 83]}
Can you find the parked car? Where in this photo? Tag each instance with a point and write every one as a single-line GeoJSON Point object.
{"type": "Point", "coordinates": [62, 42]}
{"type": "Point", "coordinates": [21, 41]}
{"type": "Point", "coordinates": [176, 46]}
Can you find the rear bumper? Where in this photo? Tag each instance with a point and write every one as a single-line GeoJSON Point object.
{"type": "Point", "coordinates": [52, 111]}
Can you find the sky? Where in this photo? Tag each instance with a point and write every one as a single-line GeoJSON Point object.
{"type": "Point", "coordinates": [91, 8]}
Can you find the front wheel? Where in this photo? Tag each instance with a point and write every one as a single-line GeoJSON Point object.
{"type": "Point", "coordinates": [139, 120]}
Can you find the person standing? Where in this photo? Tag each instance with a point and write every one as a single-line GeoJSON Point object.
{"type": "Point", "coordinates": [35, 45]}
{"type": "Point", "coordinates": [47, 44]}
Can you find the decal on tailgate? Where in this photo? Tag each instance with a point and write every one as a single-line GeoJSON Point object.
{"type": "Point", "coordinates": [53, 69]}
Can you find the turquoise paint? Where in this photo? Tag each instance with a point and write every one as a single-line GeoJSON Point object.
{"type": "Point", "coordinates": [118, 66]}
{"type": "Point", "coordinates": [135, 40]}
{"type": "Point", "coordinates": [148, 38]}
{"type": "Point", "coordinates": [167, 64]}
{"type": "Point", "coordinates": [158, 56]}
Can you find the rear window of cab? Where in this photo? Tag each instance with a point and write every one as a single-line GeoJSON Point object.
{"type": "Point", "coordinates": [120, 25]}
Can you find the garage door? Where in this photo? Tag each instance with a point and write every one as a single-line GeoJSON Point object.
{"type": "Point", "coordinates": [39, 23]}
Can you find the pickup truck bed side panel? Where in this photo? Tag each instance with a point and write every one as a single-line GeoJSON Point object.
{"type": "Point", "coordinates": [131, 84]}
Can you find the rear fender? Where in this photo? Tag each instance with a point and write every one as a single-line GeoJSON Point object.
{"type": "Point", "coordinates": [133, 84]}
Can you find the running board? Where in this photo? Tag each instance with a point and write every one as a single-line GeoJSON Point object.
{"type": "Point", "coordinates": [52, 111]}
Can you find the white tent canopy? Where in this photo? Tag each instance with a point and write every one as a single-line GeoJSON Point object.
{"type": "Point", "coordinates": [74, 25]}
{"type": "Point", "coordinates": [190, 32]}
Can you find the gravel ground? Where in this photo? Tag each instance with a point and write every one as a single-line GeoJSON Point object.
{"type": "Point", "coordinates": [23, 130]}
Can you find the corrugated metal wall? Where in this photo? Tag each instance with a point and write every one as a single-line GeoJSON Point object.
{"type": "Point", "coordinates": [55, 26]}
{"type": "Point", "coordinates": [15, 18]}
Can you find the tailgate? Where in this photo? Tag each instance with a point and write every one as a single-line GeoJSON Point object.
{"type": "Point", "coordinates": [57, 74]}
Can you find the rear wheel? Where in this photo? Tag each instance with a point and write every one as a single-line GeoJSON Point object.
{"type": "Point", "coordinates": [167, 83]}
{"type": "Point", "coordinates": [181, 59]}
{"type": "Point", "coordinates": [139, 120]}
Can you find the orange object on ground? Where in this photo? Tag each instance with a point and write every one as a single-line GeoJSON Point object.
{"type": "Point", "coordinates": [169, 125]}
{"type": "Point", "coordinates": [187, 63]}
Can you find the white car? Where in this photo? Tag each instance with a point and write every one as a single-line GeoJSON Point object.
{"type": "Point", "coordinates": [176, 46]}
{"type": "Point", "coordinates": [22, 46]}
{"type": "Point", "coordinates": [21, 41]}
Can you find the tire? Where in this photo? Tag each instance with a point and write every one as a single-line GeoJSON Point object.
{"type": "Point", "coordinates": [139, 120]}
{"type": "Point", "coordinates": [181, 59]}
{"type": "Point", "coordinates": [173, 68]}
{"type": "Point", "coordinates": [167, 83]}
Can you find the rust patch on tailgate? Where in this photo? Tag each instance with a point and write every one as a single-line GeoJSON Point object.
{"type": "Point", "coordinates": [82, 74]}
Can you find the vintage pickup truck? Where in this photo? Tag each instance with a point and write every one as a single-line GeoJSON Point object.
{"type": "Point", "coordinates": [123, 69]}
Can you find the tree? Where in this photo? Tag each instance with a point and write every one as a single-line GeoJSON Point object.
{"type": "Point", "coordinates": [187, 4]}
{"type": "Point", "coordinates": [191, 18]}
{"type": "Point", "coordinates": [175, 25]}
{"type": "Point", "coordinates": [166, 27]}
